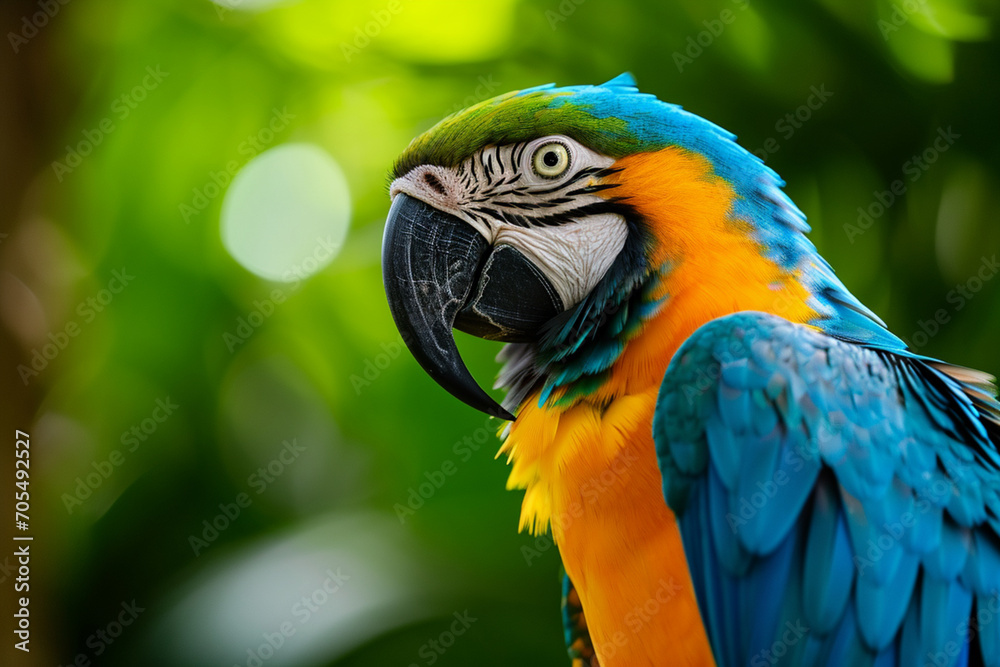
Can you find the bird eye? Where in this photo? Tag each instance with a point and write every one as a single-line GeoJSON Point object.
{"type": "Point", "coordinates": [551, 160]}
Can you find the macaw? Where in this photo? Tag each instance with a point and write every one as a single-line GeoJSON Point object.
{"type": "Point", "coordinates": [739, 463]}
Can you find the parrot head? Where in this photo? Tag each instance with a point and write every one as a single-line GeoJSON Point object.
{"type": "Point", "coordinates": [551, 219]}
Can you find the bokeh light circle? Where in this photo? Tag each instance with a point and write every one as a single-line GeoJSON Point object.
{"type": "Point", "coordinates": [287, 212]}
{"type": "Point", "coordinates": [249, 5]}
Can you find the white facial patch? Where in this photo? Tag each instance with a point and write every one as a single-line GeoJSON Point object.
{"type": "Point", "coordinates": [501, 194]}
{"type": "Point", "coordinates": [573, 256]}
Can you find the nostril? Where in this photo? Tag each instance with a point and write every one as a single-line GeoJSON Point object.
{"type": "Point", "coordinates": [434, 183]}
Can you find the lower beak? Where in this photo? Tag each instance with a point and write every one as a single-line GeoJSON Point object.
{"type": "Point", "coordinates": [439, 274]}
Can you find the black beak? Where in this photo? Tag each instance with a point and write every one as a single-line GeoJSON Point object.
{"type": "Point", "coordinates": [440, 274]}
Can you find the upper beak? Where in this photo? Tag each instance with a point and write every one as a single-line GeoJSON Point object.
{"type": "Point", "coordinates": [438, 269]}
{"type": "Point", "coordinates": [429, 262]}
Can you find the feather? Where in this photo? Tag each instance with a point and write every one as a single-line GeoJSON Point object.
{"type": "Point", "coordinates": [829, 566]}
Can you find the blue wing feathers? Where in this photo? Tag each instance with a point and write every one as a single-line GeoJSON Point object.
{"type": "Point", "coordinates": [881, 608]}
{"type": "Point", "coordinates": [911, 646]}
{"type": "Point", "coordinates": [888, 657]}
{"type": "Point", "coordinates": [732, 554]}
{"type": "Point", "coordinates": [947, 561]}
{"type": "Point", "coordinates": [776, 614]}
{"type": "Point", "coordinates": [847, 647]}
{"type": "Point", "coordinates": [727, 456]}
{"type": "Point", "coordinates": [987, 627]}
{"type": "Point", "coordinates": [945, 606]}
{"type": "Point", "coordinates": [849, 488]}
{"type": "Point", "coordinates": [828, 573]}
{"type": "Point", "coordinates": [714, 597]}
{"type": "Point", "coordinates": [982, 566]}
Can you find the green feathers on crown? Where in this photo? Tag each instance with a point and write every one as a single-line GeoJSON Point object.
{"type": "Point", "coordinates": [514, 117]}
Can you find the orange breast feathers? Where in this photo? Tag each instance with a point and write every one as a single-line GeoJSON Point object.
{"type": "Point", "coordinates": [590, 471]}
{"type": "Point", "coordinates": [593, 476]}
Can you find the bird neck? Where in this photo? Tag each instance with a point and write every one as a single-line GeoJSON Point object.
{"type": "Point", "coordinates": [692, 256]}
{"type": "Point", "coordinates": [718, 216]}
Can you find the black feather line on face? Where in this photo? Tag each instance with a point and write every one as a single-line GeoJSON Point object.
{"type": "Point", "coordinates": [481, 213]}
{"type": "Point", "coordinates": [608, 171]}
{"type": "Point", "coordinates": [596, 208]}
{"type": "Point", "coordinates": [517, 153]}
{"type": "Point", "coordinates": [524, 206]}
{"type": "Point", "coordinates": [580, 175]}
{"type": "Point", "coordinates": [488, 171]}
{"type": "Point", "coordinates": [590, 189]}
{"type": "Point", "coordinates": [514, 219]}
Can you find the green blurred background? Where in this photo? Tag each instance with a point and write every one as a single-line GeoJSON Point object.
{"type": "Point", "coordinates": [204, 345]}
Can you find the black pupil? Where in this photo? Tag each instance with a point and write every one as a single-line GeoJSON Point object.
{"type": "Point", "coordinates": [550, 159]}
